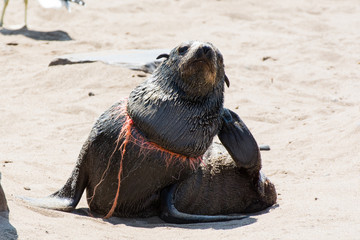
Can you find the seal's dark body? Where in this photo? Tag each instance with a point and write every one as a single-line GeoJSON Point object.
{"type": "Point", "coordinates": [179, 109]}
{"type": "Point", "coordinates": [144, 173]}
{"type": "Point", "coordinates": [219, 185]}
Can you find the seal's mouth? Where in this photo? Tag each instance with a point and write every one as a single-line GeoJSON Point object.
{"type": "Point", "coordinates": [202, 55]}
{"type": "Point", "coordinates": [203, 62]}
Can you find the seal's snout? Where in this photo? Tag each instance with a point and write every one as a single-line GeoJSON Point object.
{"type": "Point", "coordinates": [206, 49]}
{"type": "Point", "coordinates": [204, 52]}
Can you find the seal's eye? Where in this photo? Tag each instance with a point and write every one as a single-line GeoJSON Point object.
{"type": "Point", "coordinates": [182, 50]}
{"type": "Point", "coordinates": [220, 58]}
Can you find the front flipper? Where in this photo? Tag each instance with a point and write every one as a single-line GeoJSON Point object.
{"type": "Point", "coordinates": [170, 214]}
{"type": "Point", "coordinates": [239, 142]}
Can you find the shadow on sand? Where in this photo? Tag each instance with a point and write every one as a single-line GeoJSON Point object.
{"type": "Point", "coordinates": [154, 222]}
{"type": "Point", "coordinates": [37, 35]}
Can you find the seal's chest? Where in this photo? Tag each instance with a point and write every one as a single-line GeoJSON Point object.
{"type": "Point", "coordinates": [206, 123]}
{"type": "Point", "coordinates": [178, 125]}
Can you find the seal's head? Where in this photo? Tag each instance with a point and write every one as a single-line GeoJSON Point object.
{"type": "Point", "coordinates": [179, 106]}
{"type": "Point", "coordinates": [198, 66]}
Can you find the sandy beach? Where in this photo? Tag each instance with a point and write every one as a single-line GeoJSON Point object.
{"type": "Point", "coordinates": [294, 68]}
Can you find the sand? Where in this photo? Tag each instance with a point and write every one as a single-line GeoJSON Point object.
{"type": "Point", "coordinates": [294, 68]}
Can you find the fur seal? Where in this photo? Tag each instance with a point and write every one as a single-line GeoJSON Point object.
{"type": "Point", "coordinates": [143, 149]}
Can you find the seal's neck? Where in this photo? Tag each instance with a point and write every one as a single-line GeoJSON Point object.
{"type": "Point", "coordinates": [171, 118]}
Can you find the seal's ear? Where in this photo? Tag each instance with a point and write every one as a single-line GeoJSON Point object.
{"type": "Point", "coordinates": [164, 55]}
{"type": "Point", "coordinates": [227, 81]}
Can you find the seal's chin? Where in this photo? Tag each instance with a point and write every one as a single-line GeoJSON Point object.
{"type": "Point", "coordinates": [199, 72]}
{"type": "Point", "coordinates": [205, 70]}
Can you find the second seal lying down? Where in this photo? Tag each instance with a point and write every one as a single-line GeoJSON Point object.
{"type": "Point", "coordinates": [153, 154]}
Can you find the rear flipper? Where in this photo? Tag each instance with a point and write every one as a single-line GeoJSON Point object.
{"type": "Point", "coordinates": [55, 203]}
{"type": "Point", "coordinates": [171, 215]}
{"type": "Point", "coordinates": [238, 141]}
{"type": "Point", "coordinates": [69, 195]}
{"type": "Point", "coordinates": [242, 147]}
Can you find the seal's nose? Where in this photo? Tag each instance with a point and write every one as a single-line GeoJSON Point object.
{"type": "Point", "coordinates": [204, 51]}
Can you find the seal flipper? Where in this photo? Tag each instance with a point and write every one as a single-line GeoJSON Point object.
{"type": "Point", "coordinates": [242, 147]}
{"type": "Point", "coordinates": [64, 199]}
{"type": "Point", "coordinates": [239, 142]}
{"type": "Point", "coordinates": [69, 195]}
{"type": "Point", "coordinates": [170, 214]}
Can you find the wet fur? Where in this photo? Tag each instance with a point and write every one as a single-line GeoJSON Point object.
{"type": "Point", "coordinates": [144, 172]}
{"type": "Point", "coordinates": [222, 187]}
{"type": "Point", "coordinates": [179, 107]}
{"type": "Point", "coordinates": [179, 116]}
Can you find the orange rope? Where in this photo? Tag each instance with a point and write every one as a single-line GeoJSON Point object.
{"type": "Point", "coordinates": [127, 133]}
{"type": "Point", "coordinates": [122, 111]}
{"type": "Point", "coordinates": [126, 129]}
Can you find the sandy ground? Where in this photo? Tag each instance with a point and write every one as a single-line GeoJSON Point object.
{"type": "Point", "coordinates": [302, 99]}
